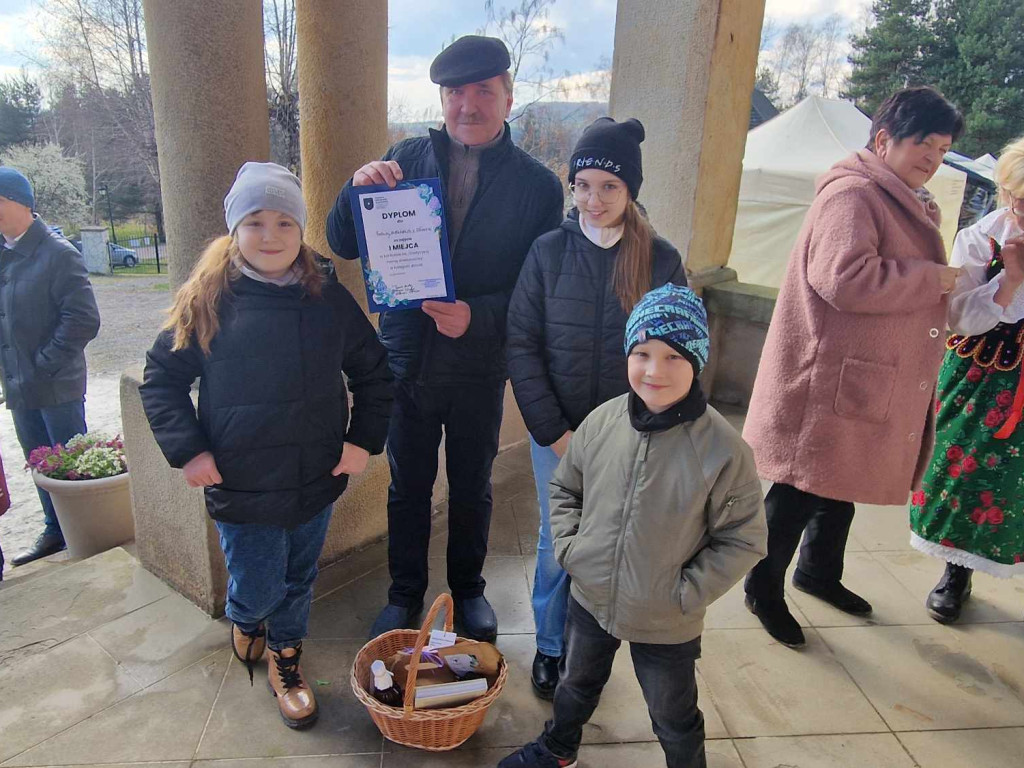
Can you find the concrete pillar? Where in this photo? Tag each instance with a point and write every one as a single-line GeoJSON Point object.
{"type": "Point", "coordinates": [686, 69]}
{"type": "Point", "coordinates": [210, 105]}
{"type": "Point", "coordinates": [343, 91]}
{"type": "Point", "coordinates": [94, 249]}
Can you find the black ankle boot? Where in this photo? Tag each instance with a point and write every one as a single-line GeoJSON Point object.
{"type": "Point", "coordinates": [945, 601]}
{"type": "Point", "coordinates": [544, 675]}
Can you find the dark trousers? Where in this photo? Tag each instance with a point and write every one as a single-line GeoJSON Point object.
{"type": "Point", "coordinates": [790, 511]}
{"type": "Point", "coordinates": [470, 416]}
{"type": "Point", "coordinates": [667, 675]}
{"type": "Point", "coordinates": [48, 426]}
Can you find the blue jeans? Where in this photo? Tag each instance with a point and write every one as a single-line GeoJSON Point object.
{"type": "Point", "coordinates": [48, 426]}
{"type": "Point", "coordinates": [270, 576]}
{"type": "Point", "coordinates": [550, 582]}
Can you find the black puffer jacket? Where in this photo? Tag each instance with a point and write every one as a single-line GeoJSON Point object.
{"type": "Point", "coordinates": [516, 201]}
{"type": "Point", "coordinates": [566, 328]}
{"type": "Point", "coordinates": [47, 315]}
{"type": "Point", "coordinates": [273, 407]}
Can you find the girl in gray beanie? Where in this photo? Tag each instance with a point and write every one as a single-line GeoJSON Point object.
{"type": "Point", "coordinates": [272, 444]}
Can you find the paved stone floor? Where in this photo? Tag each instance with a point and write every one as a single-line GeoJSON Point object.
{"type": "Point", "coordinates": [100, 663]}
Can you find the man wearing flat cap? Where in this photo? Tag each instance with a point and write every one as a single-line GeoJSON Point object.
{"type": "Point", "coordinates": [449, 359]}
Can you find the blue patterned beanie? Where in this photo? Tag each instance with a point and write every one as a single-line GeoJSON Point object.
{"type": "Point", "coordinates": [675, 315]}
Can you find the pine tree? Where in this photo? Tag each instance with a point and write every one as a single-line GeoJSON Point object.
{"type": "Point", "coordinates": [20, 105]}
{"type": "Point", "coordinates": [891, 54]}
{"type": "Point", "coordinates": [978, 64]}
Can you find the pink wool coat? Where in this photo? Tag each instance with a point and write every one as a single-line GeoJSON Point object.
{"type": "Point", "coordinates": [843, 404]}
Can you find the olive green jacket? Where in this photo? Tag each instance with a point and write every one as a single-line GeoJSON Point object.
{"type": "Point", "coordinates": [655, 526]}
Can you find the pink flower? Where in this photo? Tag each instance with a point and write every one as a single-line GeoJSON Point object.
{"type": "Point", "coordinates": [986, 498]}
{"type": "Point", "coordinates": [979, 516]}
{"type": "Point", "coordinates": [974, 374]}
{"type": "Point", "coordinates": [995, 516]}
{"type": "Point", "coordinates": [970, 464]}
{"type": "Point", "coordinates": [947, 543]}
{"type": "Point", "coordinates": [1004, 399]}
{"type": "Point", "coordinates": [955, 453]}
{"type": "Point", "coordinates": [991, 460]}
{"type": "Point", "coordinates": [954, 470]}
{"type": "Point", "coordinates": [919, 498]}
{"type": "Point", "coordinates": [993, 418]}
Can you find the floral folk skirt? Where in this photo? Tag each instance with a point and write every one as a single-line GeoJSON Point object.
{"type": "Point", "coordinates": [970, 510]}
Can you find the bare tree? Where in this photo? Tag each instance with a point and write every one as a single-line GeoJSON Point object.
{"type": "Point", "coordinates": [802, 59]}
{"type": "Point", "coordinates": [97, 76]}
{"type": "Point", "coordinates": [802, 43]}
{"type": "Point", "coordinates": [282, 81]}
{"type": "Point", "coordinates": [832, 36]}
{"type": "Point", "coordinates": [530, 38]}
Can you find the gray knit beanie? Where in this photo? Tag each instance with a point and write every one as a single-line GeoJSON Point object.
{"type": "Point", "coordinates": [264, 187]}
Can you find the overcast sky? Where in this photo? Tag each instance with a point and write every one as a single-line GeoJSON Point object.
{"type": "Point", "coordinates": [419, 28]}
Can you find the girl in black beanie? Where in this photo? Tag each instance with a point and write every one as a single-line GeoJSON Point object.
{"type": "Point", "coordinates": [565, 326]}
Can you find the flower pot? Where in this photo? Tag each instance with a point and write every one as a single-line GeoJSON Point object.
{"type": "Point", "coordinates": [94, 515]}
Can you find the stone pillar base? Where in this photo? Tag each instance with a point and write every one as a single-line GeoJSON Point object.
{"type": "Point", "coordinates": [94, 250]}
{"type": "Point", "coordinates": [738, 315]}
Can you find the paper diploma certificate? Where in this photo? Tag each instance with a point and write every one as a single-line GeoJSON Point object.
{"type": "Point", "coordinates": [403, 244]}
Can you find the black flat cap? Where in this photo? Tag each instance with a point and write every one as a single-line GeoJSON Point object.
{"type": "Point", "coordinates": [470, 59]}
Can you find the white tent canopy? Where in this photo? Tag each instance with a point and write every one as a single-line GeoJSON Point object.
{"type": "Point", "coordinates": [783, 158]}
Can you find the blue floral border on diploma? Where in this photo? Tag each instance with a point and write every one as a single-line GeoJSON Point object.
{"type": "Point", "coordinates": [379, 296]}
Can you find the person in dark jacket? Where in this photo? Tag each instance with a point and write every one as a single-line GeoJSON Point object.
{"type": "Point", "coordinates": [565, 326]}
{"type": "Point", "coordinates": [47, 315]}
{"type": "Point", "coordinates": [273, 444]}
{"type": "Point", "coordinates": [449, 359]}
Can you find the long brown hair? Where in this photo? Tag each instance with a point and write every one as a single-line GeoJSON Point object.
{"type": "Point", "coordinates": [193, 316]}
{"type": "Point", "coordinates": [632, 277]}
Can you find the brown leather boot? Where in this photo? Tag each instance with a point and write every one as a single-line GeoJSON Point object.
{"type": "Point", "coordinates": [248, 648]}
{"type": "Point", "coordinates": [294, 698]}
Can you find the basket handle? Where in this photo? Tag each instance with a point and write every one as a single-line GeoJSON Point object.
{"type": "Point", "coordinates": [443, 602]}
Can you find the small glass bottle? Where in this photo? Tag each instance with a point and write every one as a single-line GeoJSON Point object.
{"type": "Point", "coordinates": [384, 688]}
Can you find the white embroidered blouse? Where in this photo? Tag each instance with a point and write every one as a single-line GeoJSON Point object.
{"type": "Point", "coordinates": [972, 309]}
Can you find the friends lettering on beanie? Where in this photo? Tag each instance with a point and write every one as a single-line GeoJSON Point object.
{"type": "Point", "coordinates": [613, 147]}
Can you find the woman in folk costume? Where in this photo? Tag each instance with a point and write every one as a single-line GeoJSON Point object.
{"type": "Point", "coordinates": [970, 511]}
{"type": "Point", "coordinates": [843, 405]}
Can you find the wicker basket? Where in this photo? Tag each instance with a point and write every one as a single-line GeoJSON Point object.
{"type": "Point", "coordinates": [436, 730]}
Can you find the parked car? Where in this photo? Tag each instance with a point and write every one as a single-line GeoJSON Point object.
{"type": "Point", "coordinates": [121, 256]}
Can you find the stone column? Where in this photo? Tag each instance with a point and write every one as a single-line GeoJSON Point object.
{"type": "Point", "coordinates": [343, 91]}
{"type": "Point", "coordinates": [210, 106]}
{"type": "Point", "coordinates": [94, 250]}
{"type": "Point", "coordinates": [686, 69]}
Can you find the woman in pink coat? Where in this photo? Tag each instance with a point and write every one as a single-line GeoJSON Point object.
{"type": "Point", "coordinates": [842, 409]}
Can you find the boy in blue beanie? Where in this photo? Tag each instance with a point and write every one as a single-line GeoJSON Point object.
{"type": "Point", "coordinates": [656, 512]}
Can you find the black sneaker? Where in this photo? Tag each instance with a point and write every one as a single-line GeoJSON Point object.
{"type": "Point", "coordinates": [536, 755]}
{"type": "Point", "coordinates": [778, 622]}
{"type": "Point", "coordinates": [947, 599]}
{"type": "Point", "coordinates": [835, 594]}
